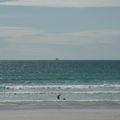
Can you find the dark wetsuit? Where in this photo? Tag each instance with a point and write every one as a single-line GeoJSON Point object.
{"type": "Point", "coordinates": [58, 97]}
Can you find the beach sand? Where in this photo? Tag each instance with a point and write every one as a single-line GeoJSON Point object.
{"type": "Point", "coordinates": [58, 115]}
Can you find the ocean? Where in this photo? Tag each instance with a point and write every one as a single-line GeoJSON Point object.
{"type": "Point", "coordinates": [60, 82]}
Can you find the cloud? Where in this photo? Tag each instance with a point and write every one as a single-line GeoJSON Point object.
{"type": "Point", "coordinates": [16, 32]}
{"type": "Point", "coordinates": [63, 3]}
{"type": "Point", "coordinates": [32, 36]}
{"type": "Point", "coordinates": [6, 0]}
{"type": "Point", "coordinates": [31, 43]}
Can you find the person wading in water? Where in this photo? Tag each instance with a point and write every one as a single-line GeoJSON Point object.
{"type": "Point", "coordinates": [58, 96]}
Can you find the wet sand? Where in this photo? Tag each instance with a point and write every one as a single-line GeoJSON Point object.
{"type": "Point", "coordinates": [58, 115]}
{"type": "Point", "coordinates": [60, 110]}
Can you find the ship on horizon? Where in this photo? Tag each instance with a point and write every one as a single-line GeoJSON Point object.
{"type": "Point", "coordinates": [57, 59]}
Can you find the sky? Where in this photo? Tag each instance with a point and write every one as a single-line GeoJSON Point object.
{"type": "Point", "coordinates": [64, 29]}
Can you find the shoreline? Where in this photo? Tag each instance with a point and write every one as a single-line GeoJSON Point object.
{"type": "Point", "coordinates": [58, 115]}
{"type": "Point", "coordinates": [60, 105]}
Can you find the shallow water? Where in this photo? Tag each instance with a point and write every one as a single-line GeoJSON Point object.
{"type": "Point", "coordinates": [74, 81]}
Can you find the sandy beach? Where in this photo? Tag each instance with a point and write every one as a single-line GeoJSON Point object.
{"type": "Point", "coordinates": [58, 115]}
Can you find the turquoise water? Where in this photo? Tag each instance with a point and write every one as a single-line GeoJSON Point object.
{"type": "Point", "coordinates": [59, 72]}
{"type": "Point", "coordinates": [72, 80]}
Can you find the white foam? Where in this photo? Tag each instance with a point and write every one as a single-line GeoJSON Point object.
{"type": "Point", "coordinates": [16, 87]}
{"type": "Point", "coordinates": [91, 100]}
{"type": "Point", "coordinates": [65, 92]}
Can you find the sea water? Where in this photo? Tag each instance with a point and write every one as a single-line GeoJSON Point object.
{"type": "Point", "coordinates": [71, 80]}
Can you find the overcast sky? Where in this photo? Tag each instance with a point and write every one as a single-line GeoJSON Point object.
{"type": "Point", "coordinates": [67, 29]}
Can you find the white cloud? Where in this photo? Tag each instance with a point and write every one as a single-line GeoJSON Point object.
{"type": "Point", "coordinates": [16, 32]}
{"type": "Point", "coordinates": [31, 43]}
{"type": "Point", "coordinates": [31, 36]}
{"type": "Point", "coordinates": [63, 3]}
